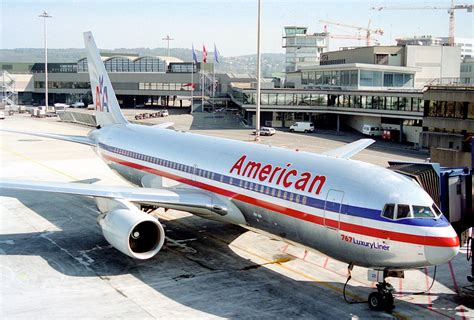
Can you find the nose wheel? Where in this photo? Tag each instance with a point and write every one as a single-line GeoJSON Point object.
{"type": "Point", "coordinates": [382, 299]}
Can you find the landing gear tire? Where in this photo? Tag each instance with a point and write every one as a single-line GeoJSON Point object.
{"type": "Point", "coordinates": [375, 301]}
{"type": "Point", "coordinates": [383, 298]}
{"type": "Point", "coordinates": [389, 302]}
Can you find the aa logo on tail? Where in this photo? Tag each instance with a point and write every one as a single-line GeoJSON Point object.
{"type": "Point", "coordinates": [101, 96]}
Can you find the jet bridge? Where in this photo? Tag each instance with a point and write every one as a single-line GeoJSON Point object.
{"type": "Point", "coordinates": [450, 188]}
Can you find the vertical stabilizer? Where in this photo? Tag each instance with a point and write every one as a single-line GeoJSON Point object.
{"type": "Point", "coordinates": [107, 109]}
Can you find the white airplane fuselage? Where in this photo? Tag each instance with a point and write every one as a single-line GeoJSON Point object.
{"type": "Point", "coordinates": [330, 204]}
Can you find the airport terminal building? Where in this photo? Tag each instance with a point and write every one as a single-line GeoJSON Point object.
{"type": "Point", "coordinates": [137, 80]}
{"type": "Point", "coordinates": [376, 86]}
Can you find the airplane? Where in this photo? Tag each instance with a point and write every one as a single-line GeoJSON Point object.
{"type": "Point", "coordinates": [352, 211]}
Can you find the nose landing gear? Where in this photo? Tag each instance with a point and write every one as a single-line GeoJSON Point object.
{"type": "Point", "coordinates": [383, 298]}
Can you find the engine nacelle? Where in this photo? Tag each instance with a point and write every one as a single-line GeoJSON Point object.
{"type": "Point", "coordinates": [133, 232]}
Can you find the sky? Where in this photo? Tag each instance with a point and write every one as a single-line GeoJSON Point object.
{"type": "Point", "coordinates": [231, 25]}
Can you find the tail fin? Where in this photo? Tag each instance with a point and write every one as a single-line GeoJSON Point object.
{"type": "Point", "coordinates": [107, 109]}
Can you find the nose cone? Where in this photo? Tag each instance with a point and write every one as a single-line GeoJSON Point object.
{"type": "Point", "coordinates": [440, 255]}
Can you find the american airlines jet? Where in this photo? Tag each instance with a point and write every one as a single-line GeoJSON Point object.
{"type": "Point", "coordinates": [353, 211]}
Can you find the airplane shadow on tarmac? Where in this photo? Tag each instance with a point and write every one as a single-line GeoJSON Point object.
{"type": "Point", "coordinates": [197, 268]}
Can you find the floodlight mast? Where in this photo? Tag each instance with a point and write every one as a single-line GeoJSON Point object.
{"type": "Point", "coordinates": [45, 15]}
{"type": "Point", "coordinates": [257, 110]}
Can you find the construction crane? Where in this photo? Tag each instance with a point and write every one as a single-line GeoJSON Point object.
{"type": "Point", "coordinates": [346, 36]}
{"type": "Point", "coordinates": [450, 9]}
{"type": "Point", "coordinates": [369, 32]}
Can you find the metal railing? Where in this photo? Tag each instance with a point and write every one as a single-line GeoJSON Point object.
{"type": "Point", "coordinates": [9, 94]}
{"type": "Point", "coordinates": [78, 117]}
{"type": "Point", "coordinates": [463, 82]}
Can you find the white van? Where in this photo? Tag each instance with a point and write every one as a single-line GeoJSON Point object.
{"type": "Point", "coordinates": [302, 127]}
{"type": "Point", "coordinates": [372, 130]}
{"type": "Point", "coordinates": [78, 104]}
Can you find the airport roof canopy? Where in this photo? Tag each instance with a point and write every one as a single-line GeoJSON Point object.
{"type": "Point", "coordinates": [125, 63]}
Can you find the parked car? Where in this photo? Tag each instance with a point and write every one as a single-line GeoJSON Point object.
{"type": "Point", "coordinates": [164, 113]}
{"type": "Point", "coordinates": [372, 130]}
{"type": "Point", "coordinates": [78, 104]}
{"type": "Point", "coordinates": [302, 127]}
{"type": "Point", "coordinates": [61, 105]}
{"type": "Point", "coordinates": [266, 131]}
{"type": "Point", "coordinates": [2, 115]}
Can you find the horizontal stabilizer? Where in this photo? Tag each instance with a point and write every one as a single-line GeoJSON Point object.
{"type": "Point", "coordinates": [70, 138]}
{"type": "Point", "coordinates": [349, 150]}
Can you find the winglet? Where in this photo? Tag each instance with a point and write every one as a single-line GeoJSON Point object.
{"type": "Point", "coordinates": [349, 150]}
{"type": "Point", "coordinates": [107, 108]}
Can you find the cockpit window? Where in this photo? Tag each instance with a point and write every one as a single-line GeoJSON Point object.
{"type": "Point", "coordinates": [389, 211]}
{"type": "Point", "coordinates": [423, 212]}
{"type": "Point", "coordinates": [436, 210]}
{"type": "Point", "coordinates": [403, 211]}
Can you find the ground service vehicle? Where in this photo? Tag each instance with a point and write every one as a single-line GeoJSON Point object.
{"type": "Point", "coordinates": [266, 131]}
{"type": "Point", "coordinates": [372, 130]}
{"type": "Point", "coordinates": [302, 127]}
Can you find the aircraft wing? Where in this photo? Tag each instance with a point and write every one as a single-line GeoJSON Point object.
{"type": "Point", "coordinates": [191, 200]}
{"type": "Point", "coordinates": [70, 138]}
{"type": "Point", "coordinates": [349, 150]}
{"type": "Point", "coordinates": [164, 125]}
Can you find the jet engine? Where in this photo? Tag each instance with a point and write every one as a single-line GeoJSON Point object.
{"type": "Point", "coordinates": [133, 232]}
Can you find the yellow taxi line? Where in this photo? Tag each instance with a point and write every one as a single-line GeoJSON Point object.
{"type": "Point", "coordinates": [37, 162]}
{"type": "Point", "coordinates": [279, 263]}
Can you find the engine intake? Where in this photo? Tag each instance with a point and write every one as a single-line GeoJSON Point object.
{"type": "Point", "coordinates": [133, 232]}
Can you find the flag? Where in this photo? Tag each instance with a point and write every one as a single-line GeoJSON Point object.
{"type": "Point", "coordinates": [192, 85]}
{"type": "Point", "coordinates": [195, 59]}
{"type": "Point", "coordinates": [204, 54]}
{"type": "Point", "coordinates": [216, 54]}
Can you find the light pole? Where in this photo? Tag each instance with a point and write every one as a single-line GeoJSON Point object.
{"type": "Point", "coordinates": [257, 111]}
{"type": "Point", "coordinates": [45, 15]}
{"type": "Point", "coordinates": [168, 39]}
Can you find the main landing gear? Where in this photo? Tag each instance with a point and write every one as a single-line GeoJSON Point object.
{"type": "Point", "coordinates": [382, 299]}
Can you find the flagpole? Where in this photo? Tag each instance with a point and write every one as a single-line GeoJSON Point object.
{"type": "Point", "coordinates": [257, 111]}
{"type": "Point", "coordinates": [192, 86]}
{"type": "Point", "coordinates": [213, 85]}
{"type": "Point", "coordinates": [214, 80]}
{"type": "Point", "coordinates": [202, 88]}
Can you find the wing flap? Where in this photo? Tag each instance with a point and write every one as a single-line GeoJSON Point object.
{"type": "Point", "coordinates": [349, 150]}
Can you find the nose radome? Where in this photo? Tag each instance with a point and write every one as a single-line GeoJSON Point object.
{"type": "Point", "coordinates": [440, 255]}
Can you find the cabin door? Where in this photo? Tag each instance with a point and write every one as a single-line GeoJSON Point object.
{"type": "Point", "coordinates": [332, 209]}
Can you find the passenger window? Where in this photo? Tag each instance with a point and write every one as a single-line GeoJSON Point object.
{"type": "Point", "coordinates": [403, 211]}
{"type": "Point", "coordinates": [422, 212]}
{"type": "Point", "coordinates": [388, 211]}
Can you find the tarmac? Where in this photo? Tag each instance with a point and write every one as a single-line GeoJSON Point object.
{"type": "Point", "coordinates": [56, 264]}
